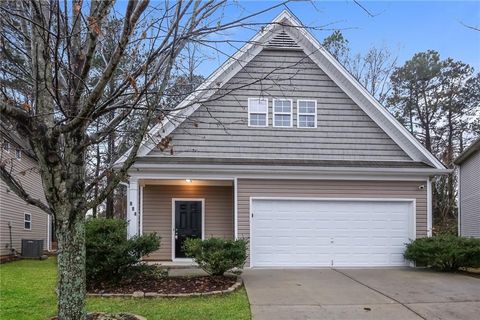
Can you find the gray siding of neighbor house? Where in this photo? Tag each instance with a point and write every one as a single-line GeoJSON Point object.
{"type": "Point", "coordinates": [329, 189]}
{"type": "Point", "coordinates": [219, 128]}
{"type": "Point", "coordinates": [157, 212]}
{"type": "Point", "coordinates": [470, 196]}
{"type": "Point", "coordinates": [12, 208]}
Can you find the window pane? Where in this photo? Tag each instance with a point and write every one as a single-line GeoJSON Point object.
{"type": "Point", "coordinates": [306, 107]}
{"type": "Point", "coordinates": [257, 105]}
{"type": "Point", "coordinates": [258, 119]}
{"type": "Point", "coordinates": [283, 120]}
{"type": "Point", "coordinates": [282, 106]}
{"type": "Point", "coordinates": [306, 121]}
{"type": "Point", "coordinates": [28, 225]}
{"type": "Point", "coordinates": [27, 217]}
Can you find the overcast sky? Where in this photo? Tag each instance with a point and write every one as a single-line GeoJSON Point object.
{"type": "Point", "coordinates": [406, 27]}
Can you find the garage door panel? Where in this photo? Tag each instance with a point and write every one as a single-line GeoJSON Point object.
{"type": "Point", "coordinates": [322, 232]}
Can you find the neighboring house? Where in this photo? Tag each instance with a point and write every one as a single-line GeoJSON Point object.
{"type": "Point", "coordinates": [18, 219]}
{"type": "Point", "coordinates": [468, 164]}
{"type": "Point", "coordinates": [283, 147]}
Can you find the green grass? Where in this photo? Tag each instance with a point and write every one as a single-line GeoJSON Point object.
{"type": "Point", "coordinates": [27, 291]}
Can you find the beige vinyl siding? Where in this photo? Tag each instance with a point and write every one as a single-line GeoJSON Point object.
{"type": "Point", "coordinates": [329, 189]}
{"type": "Point", "coordinates": [12, 208]}
{"type": "Point", "coordinates": [157, 212]}
{"type": "Point", "coordinates": [219, 128]}
{"type": "Point", "coordinates": [470, 196]}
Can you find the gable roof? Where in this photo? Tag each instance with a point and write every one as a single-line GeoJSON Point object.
{"type": "Point", "coordinates": [474, 147]}
{"type": "Point", "coordinates": [286, 32]}
{"type": "Point", "coordinates": [14, 137]}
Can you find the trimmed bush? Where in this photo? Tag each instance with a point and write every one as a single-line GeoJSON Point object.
{"type": "Point", "coordinates": [110, 255]}
{"type": "Point", "coordinates": [215, 255]}
{"type": "Point", "coordinates": [445, 252]}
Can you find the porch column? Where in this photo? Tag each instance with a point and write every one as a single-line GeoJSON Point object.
{"type": "Point", "coordinates": [235, 208]}
{"type": "Point", "coordinates": [132, 209]}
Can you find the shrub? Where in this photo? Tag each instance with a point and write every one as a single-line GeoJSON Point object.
{"type": "Point", "coordinates": [109, 254]}
{"type": "Point", "coordinates": [215, 255]}
{"type": "Point", "coordinates": [445, 252]}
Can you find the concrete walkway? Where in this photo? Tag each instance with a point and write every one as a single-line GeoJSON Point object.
{"type": "Point", "coordinates": [405, 294]}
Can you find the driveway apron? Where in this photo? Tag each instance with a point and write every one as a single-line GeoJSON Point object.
{"type": "Point", "coordinates": [401, 293]}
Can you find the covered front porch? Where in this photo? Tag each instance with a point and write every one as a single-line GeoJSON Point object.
{"type": "Point", "coordinates": [180, 208]}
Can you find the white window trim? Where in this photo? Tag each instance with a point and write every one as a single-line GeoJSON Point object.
{"type": "Point", "coordinates": [24, 220]}
{"type": "Point", "coordinates": [18, 154]}
{"type": "Point", "coordinates": [266, 113]}
{"type": "Point", "coordinates": [306, 114]}
{"type": "Point", "coordinates": [275, 113]}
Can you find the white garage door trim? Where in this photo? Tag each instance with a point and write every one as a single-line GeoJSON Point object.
{"type": "Point", "coordinates": [252, 199]}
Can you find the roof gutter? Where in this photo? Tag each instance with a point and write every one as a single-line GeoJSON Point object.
{"type": "Point", "coordinates": [475, 146]}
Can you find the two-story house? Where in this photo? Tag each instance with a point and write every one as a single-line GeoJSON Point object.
{"type": "Point", "coordinates": [283, 147]}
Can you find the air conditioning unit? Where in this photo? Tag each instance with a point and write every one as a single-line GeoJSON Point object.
{"type": "Point", "coordinates": [32, 248]}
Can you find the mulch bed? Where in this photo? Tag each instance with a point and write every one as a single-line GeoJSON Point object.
{"type": "Point", "coordinates": [106, 316]}
{"type": "Point", "coordinates": [167, 285]}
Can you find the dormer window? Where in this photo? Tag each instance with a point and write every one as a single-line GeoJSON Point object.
{"type": "Point", "coordinates": [282, 112]}
{"type": "Point", "coordinates": [258, 112]}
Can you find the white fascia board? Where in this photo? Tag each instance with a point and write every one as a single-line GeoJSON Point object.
{"type": "Point", "coordinates": [143, 177]}
{"type": "Point", "coordinates": [359, 94]}
{"type": "Point", "coordinates": [279, 172]}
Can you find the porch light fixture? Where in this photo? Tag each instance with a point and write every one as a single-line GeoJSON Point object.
{"type": "Point", "coordinates": [188, 180]}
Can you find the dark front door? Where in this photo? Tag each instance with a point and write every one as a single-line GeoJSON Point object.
{"type": "Point", "coordinates": [188, 223]}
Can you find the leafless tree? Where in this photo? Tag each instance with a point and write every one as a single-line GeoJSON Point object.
{"type": "Point", "coordinates": [69, 81]}
{"type": "Point", "coordinates": [372, 69]}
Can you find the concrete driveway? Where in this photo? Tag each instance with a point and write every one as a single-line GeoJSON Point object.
{"type": "Point", "coordinates": [402, 293]}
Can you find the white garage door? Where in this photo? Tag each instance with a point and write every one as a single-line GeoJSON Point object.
{"type": "Point", "coordinates": [329, 232]}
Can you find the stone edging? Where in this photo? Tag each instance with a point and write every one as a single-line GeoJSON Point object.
{"type": "Point", "coordinates": [141, 294]}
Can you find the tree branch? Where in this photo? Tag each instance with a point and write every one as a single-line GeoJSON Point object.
{"type": "Point", "coordinates": [131, 18]}
{"type": "Point", "coordinates": [13, 112]}
{"type": "Point", "coordinates": [17, 188]}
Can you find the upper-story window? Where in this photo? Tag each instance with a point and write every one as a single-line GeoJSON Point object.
{"type": "Point", "coordinates": [6, 145]}
{"type": "Point", "coordinates": [18, 154]}
{"type": "Point", "coordinates": [258, 112]}
{"type": "Point", "coordinates": [27, 221]}
{"type": "Point", "coordinates": [282, 112]}
{"type": "Point", "coordinates": [307, 113]}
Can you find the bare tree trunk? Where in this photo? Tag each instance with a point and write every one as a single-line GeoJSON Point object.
{"type": "Point", "coordinates": [109, 208]}
{"type": "Point", "coordinates": [71, 268]}
{"type": "Point", "coordinates": [97, 172]}
{"type": "Point", "coordinates": [410, 114]}
{"type": "Point", "coordinates": [449, 161]}
{"type": "Point", "coordinates": [428, 138]}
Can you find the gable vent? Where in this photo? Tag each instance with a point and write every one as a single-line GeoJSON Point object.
{"type": "Point", "coordinates": [282, 41]}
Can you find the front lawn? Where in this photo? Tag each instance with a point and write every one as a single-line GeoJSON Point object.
{"type": "Point", "coordinates": [27, 292]}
